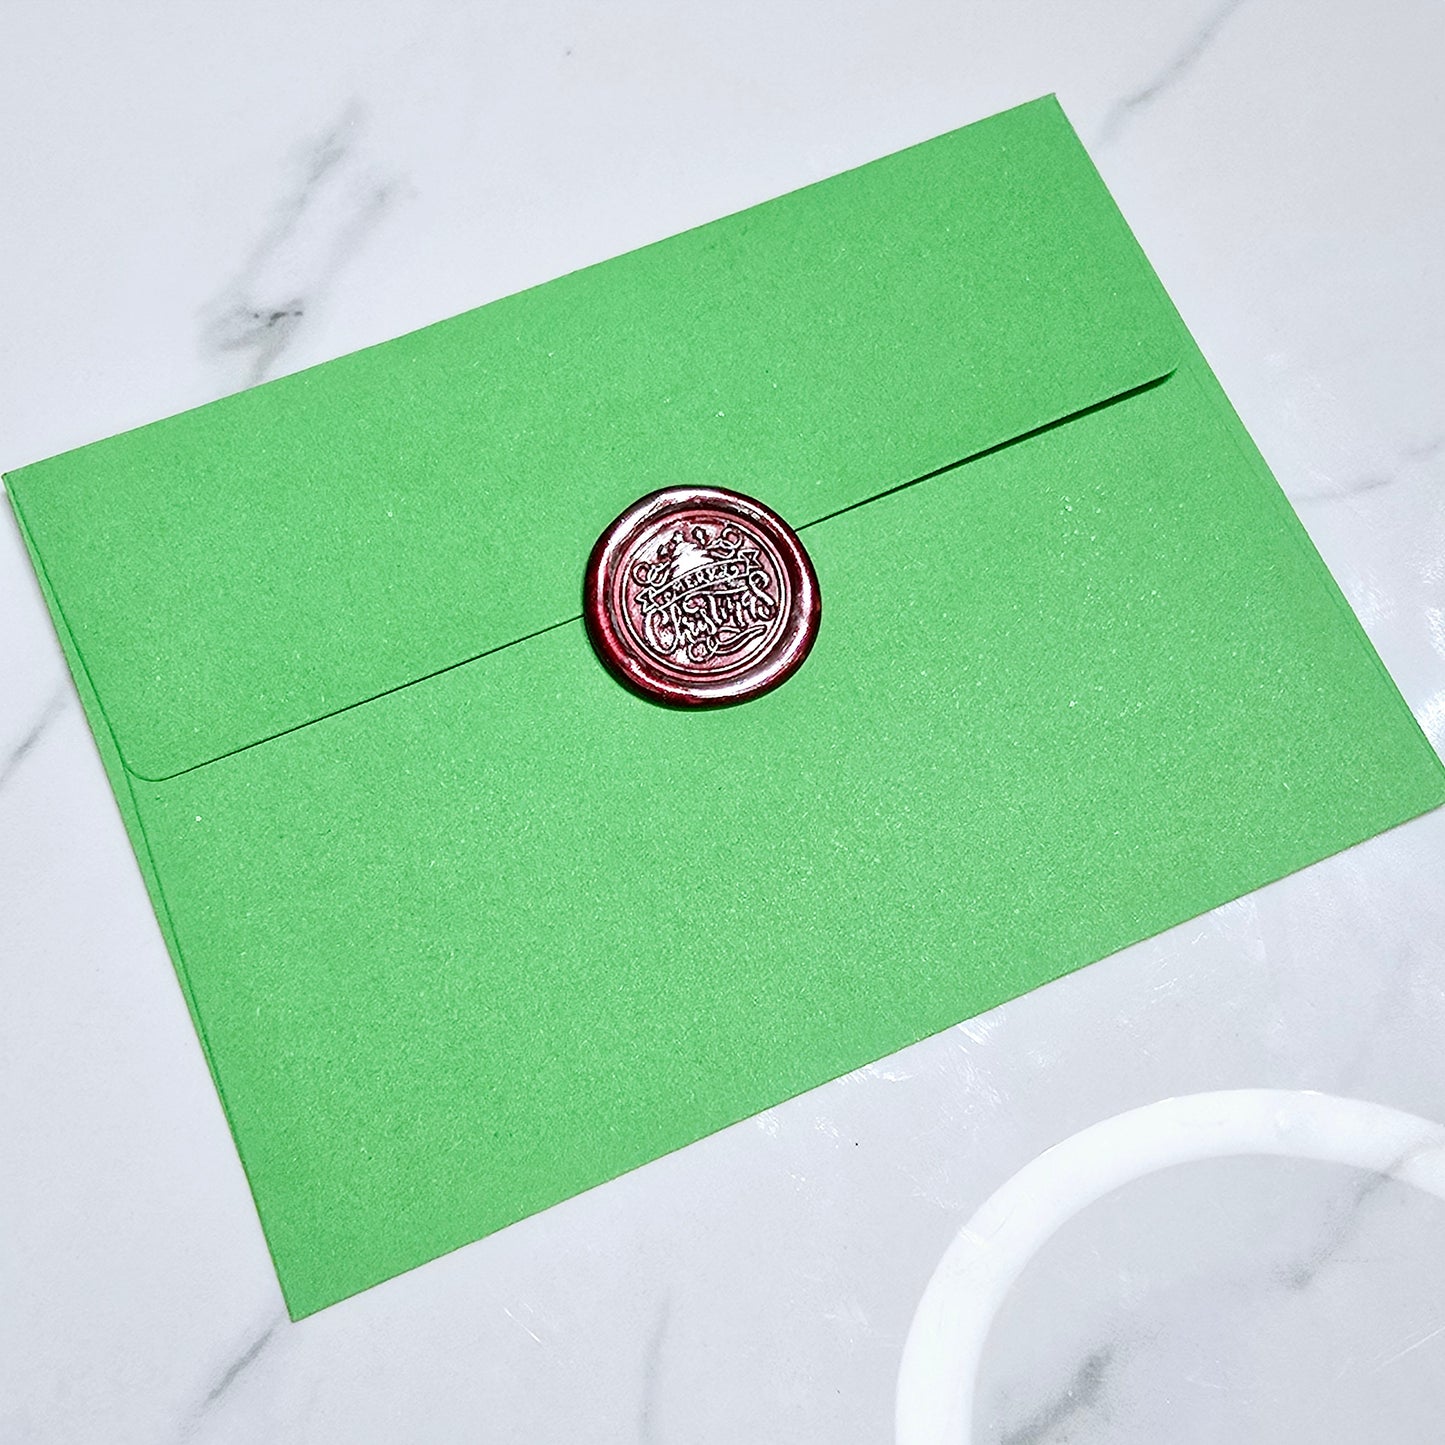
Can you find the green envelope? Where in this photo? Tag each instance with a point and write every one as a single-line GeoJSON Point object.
{"type": "Point", "coordinates": [466, 927]}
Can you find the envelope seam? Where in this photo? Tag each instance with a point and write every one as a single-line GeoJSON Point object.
{"type": "Point", "coordinates": [1067, 419]}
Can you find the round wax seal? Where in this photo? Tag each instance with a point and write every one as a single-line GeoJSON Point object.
{"type": "Point", "coordinates": [697, 596]}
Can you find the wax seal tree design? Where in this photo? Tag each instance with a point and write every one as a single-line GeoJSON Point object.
{"type": "Point", "coordinates": [698, 595]}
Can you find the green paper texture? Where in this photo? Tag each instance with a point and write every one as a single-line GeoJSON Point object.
{"type": "Point", "coordinates": [465, 927]}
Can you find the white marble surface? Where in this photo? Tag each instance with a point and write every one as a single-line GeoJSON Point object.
{"type": "Point", "coordinates": [199, 196]}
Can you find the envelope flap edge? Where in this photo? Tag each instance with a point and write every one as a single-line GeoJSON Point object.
{"type": "Point", "coordinates": [273, 557]}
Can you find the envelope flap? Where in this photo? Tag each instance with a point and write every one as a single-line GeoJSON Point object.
{"type": "Point", "coordinates": [245, 568]}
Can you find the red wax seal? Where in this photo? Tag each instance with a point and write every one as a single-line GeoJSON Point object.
{"type": "Point", "coordinates": [698, 596]}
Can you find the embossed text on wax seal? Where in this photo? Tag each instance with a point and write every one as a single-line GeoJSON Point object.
{"type": "Point", "coordinates": [698, 595]}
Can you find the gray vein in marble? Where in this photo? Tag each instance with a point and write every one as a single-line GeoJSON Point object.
{"type": "Point", "coordinates": [1373, 481]}
{"type": "Point", "coordinates": [1304, 1272]}
{"type": "Point", "coordinates": [651, 1368]}
{"type": "Point", "coordinates": [1080, 1394]}
{"type": "Point", "coordinates": [27, 745]}
{"type": "Point", "coordinates": [314, 232]}
{"type": "Point", "coordinates": [233, 1372]}
{"type": "Point", "coordinates": [1189, 55]}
